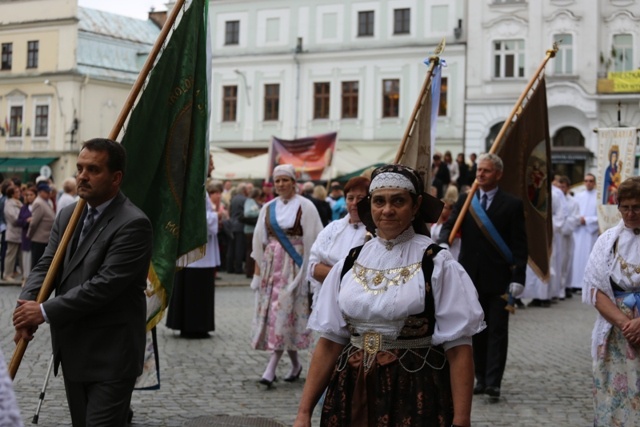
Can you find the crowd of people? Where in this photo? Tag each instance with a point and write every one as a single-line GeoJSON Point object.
{"type": "Point", "coordinates": [364, 274]}
{"type": "Point", "coordinates": [27, 212]}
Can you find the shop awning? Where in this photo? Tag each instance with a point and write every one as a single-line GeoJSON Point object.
{"type": "Point", "coordinates": [24, 165]}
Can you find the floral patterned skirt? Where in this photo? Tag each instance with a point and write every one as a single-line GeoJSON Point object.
{"type": "Point", "coordinates": [616, 379]}
{"type": "Point", "coordinates": [401, 388]}
{"type": "Point", "coordinates": [280, 320]}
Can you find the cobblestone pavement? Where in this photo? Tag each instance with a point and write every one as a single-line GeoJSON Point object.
{"type": "Point", "coordinates": [547, 381]}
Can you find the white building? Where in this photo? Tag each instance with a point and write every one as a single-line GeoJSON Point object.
{"type": "Point", "coordinates": [507, 40]}
{"type": "Point", "coordinates": [307, 67]}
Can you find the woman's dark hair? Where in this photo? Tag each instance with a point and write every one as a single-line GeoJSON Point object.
{"type": "Point", "coordinates": [357, 182]}
{"type": "Point", "coordinates": [629, 189]}
{"type": "Point", "coordinates": [117, 157]}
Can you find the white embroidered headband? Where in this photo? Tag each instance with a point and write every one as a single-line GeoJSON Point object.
{"type": "Point", "coordinates": [286, 170]}
{"type": "Point", "coordinates": [391, 180]}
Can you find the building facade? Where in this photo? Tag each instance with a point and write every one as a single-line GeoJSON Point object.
{"type": "Point", "coordinates": [507, 41]}
{"type": "Point", "coordinates": [65, 73]}
{"type": "Point", "coordinates": [300, 68]}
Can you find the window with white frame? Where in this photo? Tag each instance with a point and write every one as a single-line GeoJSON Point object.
{"type": "Point", "coordinates": [563, 62]}
{"type": "Point", "coordinates": [365, 23]}
{"type": "Point", "coordinates": [33, 48]}
{"type": "Point", "coordinates": [15, 121]}
{"type": "Point", "coordinates": [229, 103]}
{"type": "Point", "coordinates": [321, 100]}
{"type": "Point", "coordinates": [350, 100]}
{"type": "Point", "coordinates": [232, 33]}
{"type": "Point", "coordinates": [444, 85]}
{"type": "Point", "coordinates": [508, 59]}
{"type": "Point", "coordinates": [623, 52]}
{"type": "Point", "coordinates": [402, 21]}
{"type": "Point", "coordinates": [390, 98]}
{"type": "Point", "coordinates": [271, 102]}
{"type": "Point", "coordinates": [41, 128]}
{"type": "Point", "coordinates": [7, 56]}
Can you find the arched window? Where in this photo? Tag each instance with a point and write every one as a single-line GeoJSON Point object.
{"type": "Point", "coordinates": [568, 137]}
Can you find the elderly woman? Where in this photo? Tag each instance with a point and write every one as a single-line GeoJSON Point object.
{"type": "Point", "coordinates": [334, 242]}
{"type": "Point", "coordinates": [286, 228]}
{"type": "Point", "coordinates": [612, 285]}
{"type": "Point", "coordinates": [395, 349]}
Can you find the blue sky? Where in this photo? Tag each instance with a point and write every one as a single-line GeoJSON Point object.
{"type": "Point", "coordinates": [134, 8]}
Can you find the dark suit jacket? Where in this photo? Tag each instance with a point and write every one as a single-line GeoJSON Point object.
{"type": "Point", "coordinates": [323, 208]}
{"type": "Point", "coordinates": [487, 268]}
{"type": "Point", "coordinates": [98, 315]}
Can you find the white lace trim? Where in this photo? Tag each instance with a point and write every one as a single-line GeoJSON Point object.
{"type": "Point", "coordinates": [391, 180]}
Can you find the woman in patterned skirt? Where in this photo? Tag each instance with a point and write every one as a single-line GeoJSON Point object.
{"type": "Point", "coordinates": [287, 227]}
{"type": "Point", "coordinates": [395, 349]}
{"type": "Point", "coordinates": [612, 285]}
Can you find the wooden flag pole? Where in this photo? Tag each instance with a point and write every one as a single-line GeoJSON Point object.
{"type": "Point", "coordinates": [47, 286]}
{"type": "Point", "coordinates": [496, 143]}
{"type": "Point", "coordinates": [434, 59]}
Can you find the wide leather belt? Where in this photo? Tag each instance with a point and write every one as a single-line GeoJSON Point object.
{"type": "Point", "coordinates": [373, 342]}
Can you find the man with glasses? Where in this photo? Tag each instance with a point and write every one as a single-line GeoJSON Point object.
{"type": "Point", "coordinates": [586, 234]}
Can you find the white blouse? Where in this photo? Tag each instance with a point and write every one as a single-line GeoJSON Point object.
{"type": "Point", "coordinates": [333, 244]}
{"type": "Point", "coordinates": [384, 307]}
{"type": "Point", "coordinates": [604, 263]}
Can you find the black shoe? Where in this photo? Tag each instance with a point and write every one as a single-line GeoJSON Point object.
{"type": "Point", "coordinates": [545, 303]}
{"type": "Point", "coordinates": [519, 303]}
{"type": "Point", "coordinates": [568, 293]}
{"type": "Point", "coordinates": [195, 335]}
{"type": "Point", "coordinates": [535, 303]}
{"type": "Point", "coordinates": [294, 377]}
{"type": "Point", "coordinates": [479, 388]}
{"type": "Point", "coordinates": [493, 393]}
{"type": "Point", "coordinates": [268, 383]}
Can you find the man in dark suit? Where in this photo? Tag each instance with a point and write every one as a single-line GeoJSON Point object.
{"type": "Point", "coordinates": [495, 257]}
{"type": "Point", "coordinates": [237, 245]}
{"type": "Point", "coordinates": [97, 318]}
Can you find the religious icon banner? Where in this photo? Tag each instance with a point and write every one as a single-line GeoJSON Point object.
{"type": "Point", "coordinates": [616, 156]}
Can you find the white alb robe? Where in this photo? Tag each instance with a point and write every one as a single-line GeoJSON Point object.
{"type": "Point", "coordinates": [585, 235]}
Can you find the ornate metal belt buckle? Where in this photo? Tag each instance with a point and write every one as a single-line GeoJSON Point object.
{"type": "Point", "coordinates": [372, 342]}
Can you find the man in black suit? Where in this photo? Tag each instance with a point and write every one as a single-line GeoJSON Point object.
{"type": "Point", "coordinates": [98, 316]}
{"type": "Point", "coordinates": [494, 254]}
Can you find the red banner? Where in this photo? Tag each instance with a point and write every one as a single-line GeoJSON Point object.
{"type": "Point", "coordinates": [310, 156]}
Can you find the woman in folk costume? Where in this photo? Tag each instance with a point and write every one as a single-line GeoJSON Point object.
{"type": "Point", "coordinates": [286, 229]}
{"type": "Point", "coordinates": [395, 349]}
{"type": "Point", "coordinates": [339, 236]}
{"type": "Point", "coordinates": [612, 285]}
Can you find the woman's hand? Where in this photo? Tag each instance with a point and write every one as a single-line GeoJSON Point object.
{"type": "Point", "coordinates": [631, 331]}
